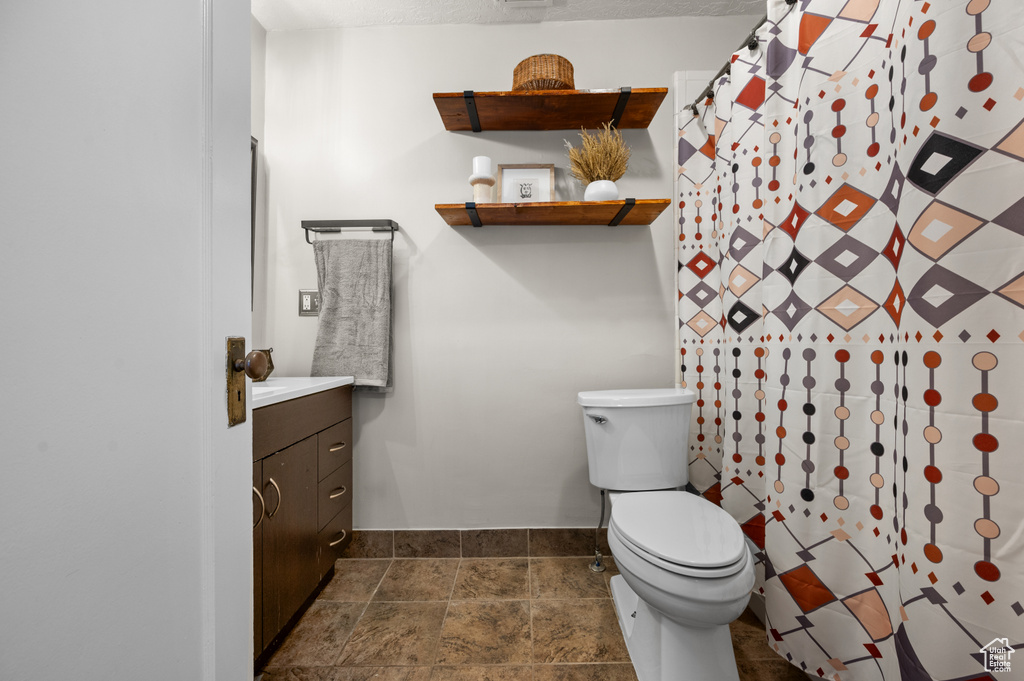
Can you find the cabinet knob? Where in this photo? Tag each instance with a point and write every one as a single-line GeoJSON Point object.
{"type": "Point", "coordinates": [254, 365]}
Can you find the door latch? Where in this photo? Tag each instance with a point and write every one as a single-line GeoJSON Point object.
{"type": "Point", "coordinates": [235, 381]}
{"type": "Point", "coordinates": [255, 365]}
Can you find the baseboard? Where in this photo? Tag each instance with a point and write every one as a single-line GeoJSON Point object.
{"type": "Point", "coordinates": [757, 606]}
{"type": "Point", "coordinates": [504, 543]}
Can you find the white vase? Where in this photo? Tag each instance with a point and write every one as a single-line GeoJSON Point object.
{"type": "Point", "coordinates": [601, 190]}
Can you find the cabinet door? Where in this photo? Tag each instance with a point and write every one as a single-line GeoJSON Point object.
{"type": "Point", "coordinates": [258, 516]}
{"type": "Point", "coordinates": [289, 533]}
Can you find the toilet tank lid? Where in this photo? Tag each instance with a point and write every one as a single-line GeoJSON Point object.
{"type": "Point", "coordinates": [650, 397]}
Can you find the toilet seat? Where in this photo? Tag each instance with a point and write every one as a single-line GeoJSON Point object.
{"type": "Point", "coordinates": [680, 532]}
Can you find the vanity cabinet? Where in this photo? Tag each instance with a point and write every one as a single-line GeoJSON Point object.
{"type": "Point", "coordinates": [302, 469]}
{"type": "Point", "coordinates": [258, 513]}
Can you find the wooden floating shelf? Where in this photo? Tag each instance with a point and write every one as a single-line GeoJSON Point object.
{"type": "Point", "coordinates": [643, 212]}
{"type": "Point", "coordinates": [548, 109]}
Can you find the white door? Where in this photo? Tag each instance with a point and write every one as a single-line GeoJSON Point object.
{"type": "Point", "coordinates": [125, 541]}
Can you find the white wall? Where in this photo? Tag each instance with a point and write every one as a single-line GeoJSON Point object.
{"type": "Point", "coordinates": [498, 328]}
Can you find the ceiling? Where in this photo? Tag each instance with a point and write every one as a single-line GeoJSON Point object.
{"type": "Point", "coordinates": [283, 15]}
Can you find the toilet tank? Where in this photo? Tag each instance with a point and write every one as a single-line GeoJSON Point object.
{"type": "Point", "coordinates": [637, 439]}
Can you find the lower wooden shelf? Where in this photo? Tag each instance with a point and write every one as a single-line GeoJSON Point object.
{"type": "Point", "coordinates": [641, 212]}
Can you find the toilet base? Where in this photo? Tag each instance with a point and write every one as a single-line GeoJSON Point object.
{"type": "Point", "coordinates": [664, 650]}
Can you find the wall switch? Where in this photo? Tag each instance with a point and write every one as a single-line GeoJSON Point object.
{"type": "Point", "coordinates": [309, 303]}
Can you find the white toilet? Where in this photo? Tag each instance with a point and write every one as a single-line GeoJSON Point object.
{"type": "Point", "coordinates": [686, 571]}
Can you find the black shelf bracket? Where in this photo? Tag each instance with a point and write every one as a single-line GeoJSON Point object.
{"type": "Point", "coordinates": [473, 216]}
{"type": "Point", "coordinates": [474, 117]}
{"type": "Point", "coordinates": [623, 212]}
{"type": "Point", "coordinates": [620, 106]}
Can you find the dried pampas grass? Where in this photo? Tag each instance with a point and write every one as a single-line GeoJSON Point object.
{"type": "Point", "coordinates": [602, 156]}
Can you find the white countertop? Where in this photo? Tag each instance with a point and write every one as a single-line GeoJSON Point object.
{"type": "Point", "coordinates": [281, 388]}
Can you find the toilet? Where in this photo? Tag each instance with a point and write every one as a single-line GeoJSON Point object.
{"type": "Point", "coordinates": [685, 569]}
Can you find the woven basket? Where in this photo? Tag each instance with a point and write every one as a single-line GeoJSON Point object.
{"type": "Point", "coordinates": [543, 72]}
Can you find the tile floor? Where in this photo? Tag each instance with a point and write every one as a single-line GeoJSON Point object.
{"type": "Point", "coordinates": [480, 619]}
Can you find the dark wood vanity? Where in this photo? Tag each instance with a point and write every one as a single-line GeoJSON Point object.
{"type": "Point", "coordinates": [302, 506]}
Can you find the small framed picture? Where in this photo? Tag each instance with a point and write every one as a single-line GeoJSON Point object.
{"type": "Point", "coordinates": [526, 182]}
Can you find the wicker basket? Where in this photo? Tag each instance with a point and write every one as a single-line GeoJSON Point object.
{"type": "Point", "coordinates": [543, 72]}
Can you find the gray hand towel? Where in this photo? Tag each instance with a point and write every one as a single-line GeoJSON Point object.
{"type": "Point", "coordinates": [355, 336]}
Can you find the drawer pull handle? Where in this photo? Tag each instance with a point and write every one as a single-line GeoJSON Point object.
{"type": "Point", "coordinates": [338, 447]}
{"type": "Point", "coordinates": [279, 499]}
{"type": "Point", "coordinates": [339, 539]}
{"type": "Point", "coordinates": [263, 507]}
{"type": "Point", "coordinates": [338, 492]}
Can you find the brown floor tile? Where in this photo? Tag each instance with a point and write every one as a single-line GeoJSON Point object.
{"type": "Point", "coordinates": [560, 578]}
{"type": "Point", "coordinates": [388, 673]}
{"type": "Point", "coordinates": [622, 671]}
{"type": "Point", "coordinates": [446, 619]}
{"type": "Point", "coordinates": [584, 630]}
{"type": "Point", "coordinates": [486, 632]}
{"type": "Point", "coordinates": [303, 674]}
{"type": "Point", "coordinates": [347, 674]}
{"type": "Point", "coordinates": [371, 544]}
{"type": "Point", "coordinates": [418, 579]}
{"type": "Point", "coordinates": [491, 673]}
{"type": "Point", "coordinates": [355, 580]}
{"type": "Point", "coordinates": [319, 636]}
{"type": "Point", "coordinates": [769, 670]}
{"type": "Point", "coordinates": [752, 648]}
{"type": "Point", "coordinates": [492, 579]}
{"type": "Point", "coordinates": [562, 542]}
{"type": "Point", "coordinates": [395, 634]}
{"type": "Point", "coordinates": [494, 543]}
{"type": "Point", "coordinates": [427, 544]}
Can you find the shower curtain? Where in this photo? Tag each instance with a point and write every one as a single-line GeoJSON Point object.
{"type": "Point", "coordinates": [851, 317]}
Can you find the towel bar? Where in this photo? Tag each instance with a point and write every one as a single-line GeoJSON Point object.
{"type": "Point", "coordinates": [333, 226]}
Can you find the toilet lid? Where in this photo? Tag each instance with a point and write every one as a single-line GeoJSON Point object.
{"type": "Point", "coordinates": [679, 527]}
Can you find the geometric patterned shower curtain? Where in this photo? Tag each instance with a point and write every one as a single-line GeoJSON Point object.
{"type": "Point", "coordinates": [851, 317]}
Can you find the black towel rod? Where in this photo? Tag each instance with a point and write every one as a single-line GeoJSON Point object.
{"type": "Point", "coordinates": [334, 226]}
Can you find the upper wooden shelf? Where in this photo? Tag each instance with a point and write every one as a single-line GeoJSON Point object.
{"type": "Point", "coordinates": [642, 212]}
{"type": "Point", "coordinates": [548, 109]}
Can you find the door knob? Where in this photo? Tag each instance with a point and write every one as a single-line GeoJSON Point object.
{"type": "Point", "coordinates": [254, 365]}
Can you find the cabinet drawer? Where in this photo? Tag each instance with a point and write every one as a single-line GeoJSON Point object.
{"type": "Point", "coordinates": [276, 426]}
{"type": "Point", "coordinates": [335, 448]}
{"type": "Point", "coordinates": [333, 494]}
{"type": "Point", "coordinates": [339, 533]}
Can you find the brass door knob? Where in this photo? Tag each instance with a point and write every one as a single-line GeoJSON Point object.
{"type": "Point", "coordinates": [254, 365]}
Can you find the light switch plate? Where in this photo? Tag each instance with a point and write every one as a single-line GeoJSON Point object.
{"type": "Point", "coordinates": [309, 303]}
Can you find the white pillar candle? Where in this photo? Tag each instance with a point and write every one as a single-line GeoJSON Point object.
{"type": "Point", "coordinates": [481, 165]}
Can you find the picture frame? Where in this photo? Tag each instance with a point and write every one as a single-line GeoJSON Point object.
{"type": "Point", "coordinates": [526, 182]}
